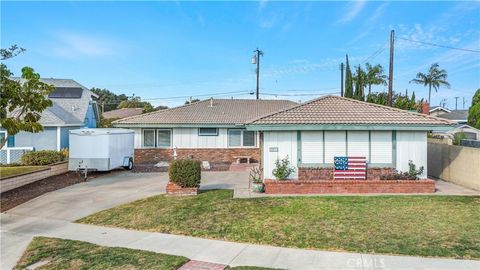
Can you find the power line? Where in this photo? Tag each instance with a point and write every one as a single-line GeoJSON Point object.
{"type": "Point", "coordinates": [439, 45]}
{"type": "Point", "coordinates": [203, 95]}
{"type": "Point", "coordinates": [299, 95]}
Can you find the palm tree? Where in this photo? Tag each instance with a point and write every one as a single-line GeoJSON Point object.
{"type": "Point", "coordinates": [434, 78]}
{"type": "Point", "coordinates": [374, 76]}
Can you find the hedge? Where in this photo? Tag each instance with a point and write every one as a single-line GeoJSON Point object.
{"type": "Point", "coordinates": [185, 172]}
{"type": "Point", "coordinates": [44, 157]}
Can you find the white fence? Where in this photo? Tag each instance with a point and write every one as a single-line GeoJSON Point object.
{"type": "Point", "coordinates": [13, 154]}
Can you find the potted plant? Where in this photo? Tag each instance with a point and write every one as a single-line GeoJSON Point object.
{"type": "Point", "coordinates": [256, 178]}
{"type": "Point", "coordinates": [283, 169]}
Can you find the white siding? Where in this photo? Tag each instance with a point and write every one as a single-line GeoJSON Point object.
{"type": "Point", "coordinates": [358, 144]}
{"type": "Point", "coordinates": [312, 146]}
{"type": "Point", "coordinates": [334, 145]}
{"type": "Point", "coordinates": [188, 138]}
{"type": "Point", "coordinates": [137, 137]}
{"type": "Point", "coordinates": [411, 145]}
{"type": "Point", "coordinates": [381, 147]}
{"type": "Point", "coordinates": [286, 144]}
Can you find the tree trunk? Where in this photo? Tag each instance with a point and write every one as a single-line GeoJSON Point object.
{"type": "Point", "coordinates": [369, 89]}
{"type": "Point", "coordinates": [429, 93]}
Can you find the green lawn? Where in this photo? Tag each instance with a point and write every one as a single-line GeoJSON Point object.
{"type": "Point", "coordinates": [440, 226]}
{"type": "Point", "coordinates": [70, 254]}
{"type": "Point", "coordinates": [10, 171]}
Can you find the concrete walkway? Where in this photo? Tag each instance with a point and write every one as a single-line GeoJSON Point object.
{"type": "Point", "coordinates": [52, 215]}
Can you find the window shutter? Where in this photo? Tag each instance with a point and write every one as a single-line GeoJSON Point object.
{"type": "Point", "coordinates": [358, 144]}
{"type": "Point", "coordinates": [381, 146]}
{"type": "Point", "coordinates": [312, 146]}
{"type": "Point", "coordinates": [335, 145]}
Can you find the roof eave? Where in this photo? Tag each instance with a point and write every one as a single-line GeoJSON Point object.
{"type": "Point", "coordinates": [176, 125]}
{"type": "Point", "coordinates": [406, 127]}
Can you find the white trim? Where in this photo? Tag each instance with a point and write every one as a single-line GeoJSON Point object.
{"type": "Point", "coordinates": [59, 136]}
{"type": "Point", "coordinates": [156, 138]}
{"type": "Point", "coordinates": [242, 130]}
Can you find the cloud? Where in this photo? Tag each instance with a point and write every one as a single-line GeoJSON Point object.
{"type": "Point", "coordinates": [74, 45]}
{"type": "Point", "coordinates": [262, 4]}
{"type": "Point", "coordinates": [354, 8]}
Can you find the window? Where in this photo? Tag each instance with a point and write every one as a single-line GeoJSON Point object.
{"type": "Point", "coordinates": [208, 132]}
{"type": "Point", "coordinates": [148, 138]}
{"type": "Point", "coordinates": [157, 138]}
{"type": "Point", "coordinates": [163, 138]}
{"type": "Point", "coordinates": [241, 137]}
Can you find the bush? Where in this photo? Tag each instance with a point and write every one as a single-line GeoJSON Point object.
{"type": "Point", "coordinates": [412, 173]}
{"type": "Point", "coordinates": [185, 172]}
{"type": "Point", "coordinates": [44, 157]}
{"type": "Point", "coordinates": [283, 169]}
{"type": "Point", "coordinates": [458, 137]}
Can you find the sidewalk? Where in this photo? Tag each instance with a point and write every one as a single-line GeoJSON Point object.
{"type": "Point", "coordinates": [17, 231]}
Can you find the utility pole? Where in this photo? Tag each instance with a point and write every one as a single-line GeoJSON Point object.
{"type": "Point", "coordinates": [341, 79]}
{"type": "Point", "coordinates": [463, 105]}
{"type": "Point", "coordinates": [256, 60]}
{"type": "Point", "coordinates": [390, 69]}
{"type": "Point", "coordinates": [456, 99]}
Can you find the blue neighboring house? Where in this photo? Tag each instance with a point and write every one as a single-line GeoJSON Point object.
{"type": "Point", "coordinates": [74, 107]}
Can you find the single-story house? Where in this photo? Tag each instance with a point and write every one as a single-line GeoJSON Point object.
{"type": "Point", "coordinates": [122, 113]}
{"type": "Point", "coordinates": [311, 134]}
{"type": "Point", "coordinates": [210, 130]}
{"type": "Point", "coordinates": [470, 132]}
{"type": "Point", "coordinates": [437, 110]}
{"type": "Point", "coordinates": [73, 107]}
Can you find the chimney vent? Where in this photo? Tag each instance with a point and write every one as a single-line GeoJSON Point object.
{"type": "Point", "coordinates": [211, 102]}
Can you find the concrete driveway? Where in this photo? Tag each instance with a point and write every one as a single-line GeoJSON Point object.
{"type": "Point", "coordinates": [74, 202]}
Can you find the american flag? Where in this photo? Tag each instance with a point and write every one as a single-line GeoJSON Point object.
{"type": "Point", "coordinates": [350, 168]}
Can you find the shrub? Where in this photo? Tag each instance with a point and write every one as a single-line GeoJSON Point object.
{"type": "Point", "coordinates": [256, 175]}
{"type": "Point", "coordinates": [412, 173]}
{"type": "Point", "coordinates": [185, 172]}
{"type": "Point", "coordinates": [283, 169]}
{"type": "Point", "coordinates": [44, 157]}
{"type": "Point", "coordinates": [65, 153]}
{"type": "Point", "coordinates": [412, 170]}
{"type": "Point", "coordinates": [458, 137]}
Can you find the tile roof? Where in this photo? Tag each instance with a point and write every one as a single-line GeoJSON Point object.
{"type": "Point", "coordinates": [122, 113]}
{"type": "Point", "coordinates": [455, 115]}
{"type": "Point", "coordinates": [223, 111]}
{"type": "Point", "coordinates": [339, 110]}
{"type": "Point", "coordinates": [65, 111]}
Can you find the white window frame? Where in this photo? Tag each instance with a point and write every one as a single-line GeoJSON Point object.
{"type": "Point", "coordinates": [241, 138]}
{"type": "Point", "coordinates": [155, 139]}
{"type": "Point", "coordinates": [170, 138]}
{"type": "Point", "coordinates": [207, 134]}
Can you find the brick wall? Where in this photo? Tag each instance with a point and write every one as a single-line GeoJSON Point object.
{"type": "Point", "coordinates": [214, 155]}
{"type": "Point", "coordinates": [348, 186]}
{"type": "Point", "coordinates": [327, 173]}
{"type": "Point", "coordinates": [13, 182]}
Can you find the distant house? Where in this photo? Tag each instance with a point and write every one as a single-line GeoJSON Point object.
{"type": "Point", "coordinates": [437, 110]}
{"type": "Point", "coordinates": [458, 116]}
{"type": "Point", "coordinates": [122, 113]}
{"type": "Point", "coordinates": [210, 130]}
{"type": "Point", "coordinates": [73, 107]}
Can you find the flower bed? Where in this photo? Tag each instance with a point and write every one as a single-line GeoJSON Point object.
{"type": "Point", "coordinates": [348, 186]}
{"type": "Point", "coordinates": [174, 189]}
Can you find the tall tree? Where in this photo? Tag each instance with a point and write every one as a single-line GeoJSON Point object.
{"type": "Point", "coordinates": [348, 80]}
{"type": "Point", "coordinates": [107, 99]}
{"type": "Point", "coordinates": [359, 79]}
{"type": "Point", "coordinates": [136, 102]}
{"type": "Point", "coordinates": [435, 77]}
{"type": "Point", "coordinates": [374, 76]}
{"type": "Point", "coordinates": [21, 102]}
{"type": "Point", "coordinates": [474, 111]}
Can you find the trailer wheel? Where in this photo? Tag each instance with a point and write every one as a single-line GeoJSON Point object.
{"type": "Point", "coordinates": [130, 165]}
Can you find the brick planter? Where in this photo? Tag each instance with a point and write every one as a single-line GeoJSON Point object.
{"type": "Point", "coordinates": [348, 186]}
{"type": "Point", "coordinates": [176, 190]}
{"type": "Point", "coordinates": [327, 173]}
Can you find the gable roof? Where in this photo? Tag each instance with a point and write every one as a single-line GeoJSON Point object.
{"type": "Point", "coordinates": [215, 111]}
{"type": "Point", "coordinates": [334, 110]}
{"type": "Point", "coordinates": [438, 108]}
{"type": "Point", "coordinates": [455, 115]}
{"type": "Point", "coordinates": [122, 113]}
{"type": "Point", "coordinates": [65, 111]}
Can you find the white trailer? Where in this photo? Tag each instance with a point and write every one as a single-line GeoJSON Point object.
{"type": "Point", "coordinates": [100, 149]}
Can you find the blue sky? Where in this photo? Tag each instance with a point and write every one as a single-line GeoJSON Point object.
{"type": "Point", "coordinates": [160, 50]}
